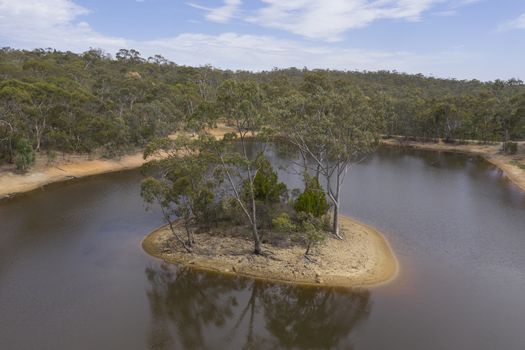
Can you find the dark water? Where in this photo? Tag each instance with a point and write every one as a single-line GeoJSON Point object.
{"type": "Point", "coordinates": [73, 275]}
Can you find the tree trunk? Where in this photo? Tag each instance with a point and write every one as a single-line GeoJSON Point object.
{"type": "Point", "coordinates": [170, 223]}
{"type": "Point", "coordinates": [257, 243]}
{"type": "Point", "coordinates": [38, 137]}
{"type": "Point", "coordinates": [506, 139]}
{"type": "Point", "coordinates": [308, 248]}
{"type": "Point", "coordinates": [255, 232]}
{"type": "Point", "coordinates": [318, 171]}
{"type": "Point", "coordinates": [189, 234]}
{"type": "Point", "coordinates": [335, 200]}
{"type": "Point", "coordinates": [335, 227]}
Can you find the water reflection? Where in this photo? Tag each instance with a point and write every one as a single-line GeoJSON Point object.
{"type": "Point", "coordinates": [199, 310]}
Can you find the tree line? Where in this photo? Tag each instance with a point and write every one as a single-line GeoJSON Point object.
{"type": "Point", "coordinates": [62, 102]}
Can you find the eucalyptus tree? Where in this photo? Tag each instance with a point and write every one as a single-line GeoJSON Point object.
{"type": "Point", "coordinates": [33, 103]}
{"type": "Point", "coordinates": [334, 128]}
{"type": "Point", "coordinates": [182, 183]}
{"type": "Point", "coordinates": [505, 112]}
{"type": "Point", "coordinates": [6, 139]}
{"type": "Point", "coordinates": [24, 155]}
{"type": "Point", "coordinates": [241, 104]}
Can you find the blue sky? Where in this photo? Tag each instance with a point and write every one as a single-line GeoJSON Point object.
{"type": "Point", "coordinates": [463, 39]}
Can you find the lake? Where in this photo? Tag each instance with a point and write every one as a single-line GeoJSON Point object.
{"type": "Point", "coordinates": [74, 276]}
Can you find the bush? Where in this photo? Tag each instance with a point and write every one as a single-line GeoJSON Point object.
{"type": "Point", "coordinates": [24, 154]}
{"type": "Point", "coordinates": [269, 193]}
{"type": "Point", "coordinates": [312, 200]}
{"type": "Point", "coordinates": [232, 212]}
{"type": "Point", "coordinates": [266, 185]}
{"type": "Point", "coordinates": [311, 228]}
{"type": "Point", "coordinates": [282, 223]}
{"type": "Point", "coordinates": [512, 147]}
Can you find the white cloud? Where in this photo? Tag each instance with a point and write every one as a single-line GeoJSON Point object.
{"type": "Point", "coordinates": [41, 12]}
{"type": "Point", "coordinates": [58, 24]}
{"type": "Point", "coordinates": [48, 22]}
{"type": "Point", "coordinates": [250, 52]}
{"type": "Point", "coordinates": [518, 23]}
{"type": "Point", "coordinates": [223, 14]}
{"type": "Point", "coordinates": [328, 20]}
{"type": "Point", "coordinates": [454, 6]}
{"type": "Point", "coordinates": [446, 13]}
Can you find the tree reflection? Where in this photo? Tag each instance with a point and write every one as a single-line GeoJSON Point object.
{"type": "Point", "coordinates": [183, 303]}
{"type": "Point", "coordinates": [313, 317]}
{"type": "Point", "coordinates": [198, 310]}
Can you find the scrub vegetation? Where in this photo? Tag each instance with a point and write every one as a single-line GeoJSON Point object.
{"type": "Point", "coordinates": [83, 103]}
{"type": "Point", "coordinates": [53, 102]}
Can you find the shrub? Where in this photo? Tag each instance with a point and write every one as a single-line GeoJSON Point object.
{"type": "Point", "coordinates": [282, 223]}
{"type": "Point", "coordinates": [268, 192]}
{"type": "Point", "coordinates": [24, 154]}
{"type": "Point", "coordinates": [512, 147]}
{"type": "Point", "coordinates": [266, 185]}
{"type": "Point", "coordinates": [312, 200]}
{"type": "Point", "coordinates": [311, 228]}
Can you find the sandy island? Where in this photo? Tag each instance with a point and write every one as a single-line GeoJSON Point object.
{"type": "Point", "coordinates": [362, 258]}
{"type": "Point", "coordinates": [513, 166]}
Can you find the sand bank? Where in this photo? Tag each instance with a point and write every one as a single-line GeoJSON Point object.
{"type": "Point", "coordinates": [362, 258]}
{"type": "Point", "coordinates": [70, 167]}
{"type": "Point", "coordinates": [509, 164]}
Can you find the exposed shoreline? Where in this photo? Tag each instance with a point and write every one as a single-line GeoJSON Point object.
{"type": "Point", "coordinates": [489, 152]}
{"type": "Point", "coordinates": [78, 166]}
{"type": "Point", "coordinates": [363, 258]}
{"type": "Point", "coordinates": [72, 167]}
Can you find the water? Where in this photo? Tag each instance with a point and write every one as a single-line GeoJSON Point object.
{"type": "Point", "coordinates": [73, 274]}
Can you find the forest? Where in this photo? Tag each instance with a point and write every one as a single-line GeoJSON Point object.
{"type": "Point", "coordinates": [54, 102]}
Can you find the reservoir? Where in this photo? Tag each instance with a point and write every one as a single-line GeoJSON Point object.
{"type": "Point", "coordinates": [74, 276]}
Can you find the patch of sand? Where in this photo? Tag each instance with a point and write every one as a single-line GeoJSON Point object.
{"type": "Point", "coordinates": [71, 167]}
{"type": "Point", "coordinates": [362, 258]}
{"type": "Point", "coordinates": [509, 164]}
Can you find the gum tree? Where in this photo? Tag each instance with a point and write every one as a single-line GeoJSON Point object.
{"type": "Point", "coordinates": [182, 185]}
{"type": "Point", "coordinates": [333, 126]}
{"type": "Point", "coordinates": [241, 103]}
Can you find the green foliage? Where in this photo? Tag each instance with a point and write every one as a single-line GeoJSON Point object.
{"type": "Point", "coordinates": [313, 199]}
{"type": "Point", "coordinates": [24, 154]}
{"type": "Point", "coordinates": [512, 147]}
{"type": "Point", "coordinates": [311, 229]}
{"type": "Point", "coordinates": [304, 228]}
{"type": "Point", "coordinates": [267, 190]}
{"type": "Point", "coordinates": [266, 185]}
{"type": "Point", "coordinates": [283, 223]}
{"type": "Point", "coordinates": [153, 190]}
{"type": "Point", "coordinates": [69, 102]}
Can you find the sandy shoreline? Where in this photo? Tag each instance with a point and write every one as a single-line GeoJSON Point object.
{"type": "Point", "coordinates": [76, 166]}
{"type": "Point", "coordinates": [489, 152]}
{"type": "Point", "coordinates": [363, 258]}
{"type": "Point", "coordinates": [73, 166]}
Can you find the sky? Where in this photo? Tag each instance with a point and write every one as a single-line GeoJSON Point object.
{"type": "Point", "coordinates": [461, 39]}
